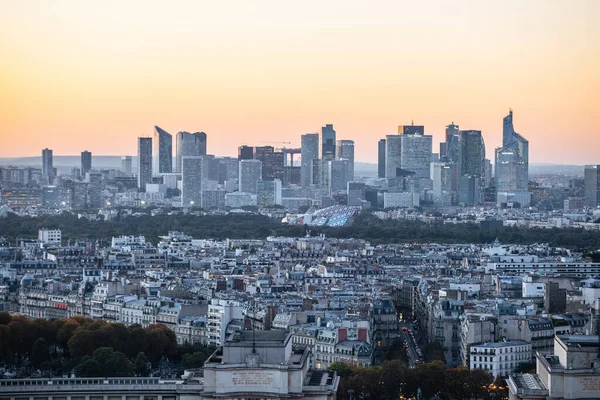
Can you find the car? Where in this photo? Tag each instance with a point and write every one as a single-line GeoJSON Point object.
{"type": "Point", "coordinates": [404, 329]}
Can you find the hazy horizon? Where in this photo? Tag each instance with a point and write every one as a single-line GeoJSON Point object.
{"type": "Point", "coordinates": [95, 76]}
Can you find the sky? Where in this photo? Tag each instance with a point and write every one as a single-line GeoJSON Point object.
{"type": "Point", "coordinates": [82, 75]}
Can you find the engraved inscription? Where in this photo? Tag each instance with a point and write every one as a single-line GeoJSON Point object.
{"type": "Point", "coordinates": [252, 378]}
{"type": "Point", "coordinates": [590, 384]}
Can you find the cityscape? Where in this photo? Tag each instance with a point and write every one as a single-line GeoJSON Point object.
{"type": "Point", "coordinates": [410, 262]}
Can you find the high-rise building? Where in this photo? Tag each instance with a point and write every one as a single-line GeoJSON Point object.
{"type": "Point", "coordinates": [444, 177]}
{"type": "Point", "coordinates": [393, 154]}
{"type": "Point", "coordinates": [415, 154]}
{"type": "Point", "coordinates": [316, 168]}
{"type": "Point", "coordinates": [163, 151]}
{"type": "Point", "coordinates": [250, 173]}
{"type": "Point", "coordinates": [591, 179]}
{"type": "Point", "coordinates": [411, 129]}
{"type": "Point", "coordinates": [126, 165]}
{"type": "Point", "coordinates": [272, 162]}
{"type": "Point", "coordinates": [469, 190]}
{"type": "Point", "coordinates": [512, 165]}
{"type": "Point", "coordinates": [245, 153]}
{"type": "Point", "coordinates": [345, 152]}
{"type": "Point", "coordinates": [94, 189]}
{"type": "Point", "coordinates": [47, 164]}
{"type": "Point", "coordinates": [189, 145]}
{"type": "Point", "coordinates": [451, 144]}
{"type": "Point", "coordinates": [309, 152]}
{"type": "Point", "coordinates": [192, 181]}
{"type": "Point", "coordinates": [328, 143]}
{"type": "Point", "coordinates": [268, 193]}
{"type": "Point", "coordinates": [381, 158]}
{"type": "Point", "coordinates": [86, 162]}
{"type": "Point", "coordinates": [337, 175]}
{"type": "Point", "coordinates": [471, 154]}
{"type": "Point", "coordinates": [144, 162]}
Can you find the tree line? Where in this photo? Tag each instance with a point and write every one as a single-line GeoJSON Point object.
{"type": "Point", "coordinates": [251, 226]}
{"type": "Point", "coordinates": [91, 348]}
{"type": "Point", "coordinates": [393, 380]}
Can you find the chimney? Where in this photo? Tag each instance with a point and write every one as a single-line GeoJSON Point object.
{"type": "Point", "coordinates": [362, 334]}
{"type": "Point", "coordinates": [342, 334]}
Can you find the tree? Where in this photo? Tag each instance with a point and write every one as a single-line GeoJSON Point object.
{"type": "Point", "coordinates": [457, 383]}
{"type": "Point", "coordinates": [193, 360]}
{"type": "Point", "coordinates": [343, 370]}
{"type": "Point", "coordinates": [141, 364]}
{"type": "Point", "coordinates": [40, 353]}
{"type": "Point", "coordinates": [393, 377]}
{"type": "Point", "coordinates": [479, 379]}
{"type": "Point", "coordinates": [434, 351]}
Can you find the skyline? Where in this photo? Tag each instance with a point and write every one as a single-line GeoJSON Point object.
{"type": "Point", "coordinates": [267, 73]}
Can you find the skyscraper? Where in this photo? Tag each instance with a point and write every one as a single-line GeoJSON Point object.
{"type": "Point", "coordinates": [126, 165]}
{"type": "Point", "coordinates": [309, 152]}
{"type": "Point", "coordinates": [245, 153]}
{"type": "Point", "coordinates": [345, 152]}
{"type": "Point", "coordinates": [411, 129]}
{"type": "Point", "coordinates": [415, 154]}
{"type": "Point", "coordinates": [268, 193]}
{"type": "Point", "coordinates": [512, 165]}
{"type": "Point", "coordinates": [327, 143]}
{"type": "Point", "coordinates": [250, 173]}
{"type": "Point", "coordinates": [381, 158]}
{"type": "Point", "coordinates": [337, 178]}
{"type": "Point", "coordinates": [163, 151]}
{"type": "Point", "coordinates": [451, 145]}
{"type": "Point", "coordinates": [47, 164]}
{"type": "Point", "coordinates": [144, 162]}
{"type": "Point", "coordinates": [393, 150]}
{"type": "Point", "coordinates": [591, 179]}
{"type": "Point", "coordinates": [86, 162]}
{"type": "Point", "coordinates": [191, 181]}
{"type": "Point", "coordinates": [94, 189]}
{"type": "Point", "coordinates": [444, 177]}
{"type": "Point", "coordinates": [272, 162]}
{"type": "Point", "coordinates": [189, 145]}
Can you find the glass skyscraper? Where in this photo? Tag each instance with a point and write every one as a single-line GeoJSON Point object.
{"type": "Point", "coordinates": [190, 145]}
{"type": "Point", "coordinates": [144, 162]}
{"type": "Point", "coordinates": [163, 151]}
{"type": "Point", "coordinates": [328, 143]}
{"type": "Point", "coordinates": [309, 151]}
{"type": "Point", "coordinates": [512, 165]}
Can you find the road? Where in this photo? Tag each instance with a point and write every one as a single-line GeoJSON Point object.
{"type": "Point", "coordinates": [413, 351]}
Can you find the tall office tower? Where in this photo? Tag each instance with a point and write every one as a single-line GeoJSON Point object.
{"type": "Point", "coordinates": [47, 164]}
{"type": "Point", "coordinates": [86, 162]}
{"type": "Point", "coordinates": [451, 145]}
{"type": "Point", "coordinates": [126, 165]}
{"type": "Point", "coordinates": [591, 178]}
{"type": "Point", "coordinates": [489, 173]}
{"type": "Point", "coordinates": [163, 151]}
{"type": "Point", "coordinates": [512, 166]}
{"type": "Point", "coordinates": [415, 154]}
{"type": "Point", "coordinates": [94, 189]}
{"type": "Point", "coordinates": [250, 173]}
{"type": "Point", "coordinates": [272, 162]}
{"type": "Point", "coordinates": [337, 175]}
{"type": "Point", "coordinates": [245, 153]}
{"type": "Point", "coordinates": [327, 143]}
{"type": "Point", "coordinates": [471, 154]}
{"type": "Point", "coordinates": [316, 167]}
{"type": "Point", "coordinates": [268, 193]}
{"type": "Point", "coordinates": [469, 190]}
{"type": "Point", "coordinates": [356, 193]}
{"type": "Point", "coordinates": [445, 184]}
{"type": "Point", "coordinates": [79, 195]}
{"type": "Point", "coordinates": [381, 158]}
{"type": "Point", "coordinates": [144, 162]}
{"type": "Point", "coordinates": [411, 129]}
{"type": "Point", "coordinates": [345, 152]}
{"type": "Point", "coordinates": [393, 154]}
{"type": "Point", "coordinates": [189, 145]}
{"type": "Point", "coordinates": [192, 181]}
{"type": "Point", "coordinates": [309, 151]}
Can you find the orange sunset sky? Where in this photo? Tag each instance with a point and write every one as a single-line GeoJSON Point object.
{"type": "Point", "coordinates": [95, 75]}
